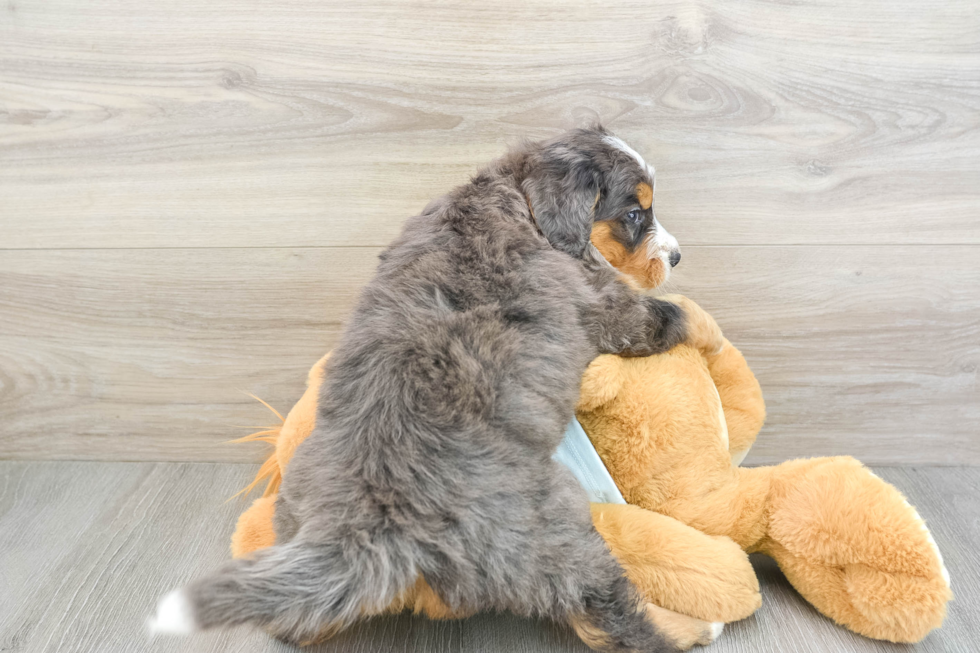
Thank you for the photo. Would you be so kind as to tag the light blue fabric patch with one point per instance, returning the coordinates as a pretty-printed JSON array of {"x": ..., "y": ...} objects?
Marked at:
[{"x": 577, "y": 453}]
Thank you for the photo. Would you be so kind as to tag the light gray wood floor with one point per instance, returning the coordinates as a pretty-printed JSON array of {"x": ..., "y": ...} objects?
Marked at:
[{"x": 86, "y": 548}]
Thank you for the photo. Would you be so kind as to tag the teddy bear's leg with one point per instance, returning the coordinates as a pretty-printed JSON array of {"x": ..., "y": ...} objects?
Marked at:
[
  {"x": 854, "y": 548},
  {"x": 254, "y": 529},
  {"x": 893, "y": 607},
  {"x": 420, "y": 599},
  {"x": 678, "y": 567}
]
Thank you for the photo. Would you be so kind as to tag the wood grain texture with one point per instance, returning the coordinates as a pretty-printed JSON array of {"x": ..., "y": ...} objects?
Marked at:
[
  {"x": 143, "y": 354},
  {"x": 246, "y": 123},
  {"x": 191, "y": 195},
  {"x": 867, "y": 351},
  {"x": 86, "y": 549},
  {"x": 147, "y": 354}
]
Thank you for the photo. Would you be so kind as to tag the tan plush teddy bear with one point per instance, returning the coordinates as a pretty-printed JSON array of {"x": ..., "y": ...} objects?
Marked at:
[{"x": 671, "y": 429}]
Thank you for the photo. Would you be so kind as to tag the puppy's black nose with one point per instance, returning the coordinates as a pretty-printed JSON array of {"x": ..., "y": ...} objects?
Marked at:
[{"x": 675, "y": 258}]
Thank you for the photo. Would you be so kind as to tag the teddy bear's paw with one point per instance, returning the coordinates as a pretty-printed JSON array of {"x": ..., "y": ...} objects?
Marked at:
[
  {"x": 893, "y": 606},
  {"x": 681, "y": 630}
]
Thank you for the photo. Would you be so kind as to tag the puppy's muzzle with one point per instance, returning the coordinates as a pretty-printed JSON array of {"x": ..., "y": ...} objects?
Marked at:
[{"x": 664, "y": 246}]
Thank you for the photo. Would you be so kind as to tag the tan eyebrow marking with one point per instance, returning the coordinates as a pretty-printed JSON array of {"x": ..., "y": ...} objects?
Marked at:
[{"x": 644, "y": 195}]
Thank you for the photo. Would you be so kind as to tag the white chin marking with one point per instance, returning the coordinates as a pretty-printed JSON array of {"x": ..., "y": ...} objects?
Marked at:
[
  {"x": 654, "y": 251},
  {"x": 174, "y": 616},
  {"x": 663, "y": 239},
  {"x": 661, "y": 245}
]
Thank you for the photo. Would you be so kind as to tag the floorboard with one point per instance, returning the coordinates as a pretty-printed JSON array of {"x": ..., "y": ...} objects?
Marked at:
[{"x": 86, "y": 548}]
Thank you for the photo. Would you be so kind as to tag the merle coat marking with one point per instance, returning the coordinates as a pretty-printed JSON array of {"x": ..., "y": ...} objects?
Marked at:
[{"x": 444, "y": 401}]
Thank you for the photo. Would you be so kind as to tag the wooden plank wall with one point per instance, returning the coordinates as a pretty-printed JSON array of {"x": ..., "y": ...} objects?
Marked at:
[{"x": 192, "y": 193}]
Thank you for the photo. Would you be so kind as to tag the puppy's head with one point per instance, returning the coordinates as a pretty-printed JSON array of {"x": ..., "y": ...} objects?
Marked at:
[{"x": 592, "y": 194}]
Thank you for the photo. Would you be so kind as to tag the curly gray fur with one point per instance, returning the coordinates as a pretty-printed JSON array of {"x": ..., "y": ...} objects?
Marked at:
[{"x": 444, "y": 401}]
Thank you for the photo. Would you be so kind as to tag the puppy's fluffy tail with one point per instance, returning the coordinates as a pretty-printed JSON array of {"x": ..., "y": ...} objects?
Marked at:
[{"x": 299, "y": 591}]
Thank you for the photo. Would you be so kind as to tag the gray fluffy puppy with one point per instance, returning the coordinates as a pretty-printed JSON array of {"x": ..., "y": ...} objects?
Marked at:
[{"x": 455, "y": 378}]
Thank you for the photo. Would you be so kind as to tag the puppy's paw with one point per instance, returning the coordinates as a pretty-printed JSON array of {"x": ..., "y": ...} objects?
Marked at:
[
  {"x": 702, "y": 330},
  {"x": 681, "y": 630},
  {"x": 667, "y": 325},
  {"x": 712, "y": 633}
]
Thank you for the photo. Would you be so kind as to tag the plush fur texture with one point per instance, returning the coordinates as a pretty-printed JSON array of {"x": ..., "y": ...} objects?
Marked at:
[
  {"x": 653, "y": 549},
  {"x": 669, "y": 428},
  {"x": 449, "y": 390}
]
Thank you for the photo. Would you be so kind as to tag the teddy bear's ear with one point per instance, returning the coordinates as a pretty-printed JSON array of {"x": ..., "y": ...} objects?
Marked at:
[{"x": 601, "y": 382}]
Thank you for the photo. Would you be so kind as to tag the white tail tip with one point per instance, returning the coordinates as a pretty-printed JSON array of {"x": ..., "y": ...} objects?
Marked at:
[
  {"x": 716, "y": 628},
  {"x": 174, "y": 616}
]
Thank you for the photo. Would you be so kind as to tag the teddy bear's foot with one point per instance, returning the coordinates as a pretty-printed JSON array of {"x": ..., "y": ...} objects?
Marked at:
[
  {"x": 683, "y": 631},
  {"x": 896, "y": 607},
  {"x": 854, "y": 547},
  {"x": 254, "y": 530},
  {"x": 881, "y": 605}
]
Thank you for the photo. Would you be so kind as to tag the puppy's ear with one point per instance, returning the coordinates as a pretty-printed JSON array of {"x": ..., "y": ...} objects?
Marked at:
[
  {"x": 563, "y": 195},
  {"x": 602, "y": 381}
]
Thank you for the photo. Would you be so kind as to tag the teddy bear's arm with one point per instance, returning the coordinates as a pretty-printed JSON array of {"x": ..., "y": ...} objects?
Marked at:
[
  {"x": 678, "y": 567},
  {"x": 741, "y": 396}
]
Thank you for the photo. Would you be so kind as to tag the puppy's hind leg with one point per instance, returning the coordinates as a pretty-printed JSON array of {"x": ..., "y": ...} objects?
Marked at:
[
  {"x": 301, "y": 590},
  {"x": 683, "y": 631},
  {"x": 597, "y": 599},
  {"x": 616, "y": 619}
]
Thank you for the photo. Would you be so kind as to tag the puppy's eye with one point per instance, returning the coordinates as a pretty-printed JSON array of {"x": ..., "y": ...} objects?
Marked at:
[{"x": 634, "y": 216}]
